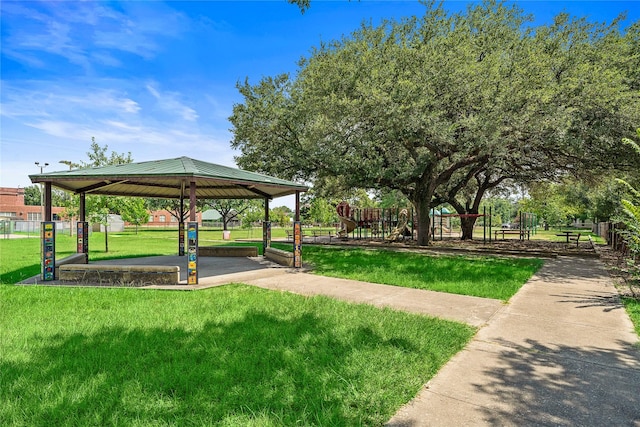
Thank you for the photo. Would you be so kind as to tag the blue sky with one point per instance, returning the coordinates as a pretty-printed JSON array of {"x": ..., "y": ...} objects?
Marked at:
[{"x": 158, "y": 78}]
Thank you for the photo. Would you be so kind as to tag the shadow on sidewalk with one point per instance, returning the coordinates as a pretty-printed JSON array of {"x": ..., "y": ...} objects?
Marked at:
[
  {"x": 564, "y": 269},
  {"x": 587, "y": 299},
  {"x": 535, "y": 384}
]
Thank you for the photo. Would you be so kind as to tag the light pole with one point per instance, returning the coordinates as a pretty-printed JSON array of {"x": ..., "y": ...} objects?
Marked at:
[{"x": 41, "y": 191}]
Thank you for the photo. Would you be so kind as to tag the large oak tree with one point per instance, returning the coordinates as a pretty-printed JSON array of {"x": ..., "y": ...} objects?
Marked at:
[{"x": 436, "y": 105}]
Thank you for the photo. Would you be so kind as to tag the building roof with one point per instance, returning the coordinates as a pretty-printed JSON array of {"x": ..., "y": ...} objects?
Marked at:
[{"x": 170, "y": 178}]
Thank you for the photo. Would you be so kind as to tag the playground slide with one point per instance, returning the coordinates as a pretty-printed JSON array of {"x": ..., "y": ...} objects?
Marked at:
[
  {"x": 401, "y": 229},
  {"x": 344, "y": 212},
  {"x": 349, "y": 226}
]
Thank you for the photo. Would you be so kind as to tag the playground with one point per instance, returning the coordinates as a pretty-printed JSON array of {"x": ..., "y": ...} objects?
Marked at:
[
  {"x": 394, "y": 228},
  {"x": 399, "y": 224}
]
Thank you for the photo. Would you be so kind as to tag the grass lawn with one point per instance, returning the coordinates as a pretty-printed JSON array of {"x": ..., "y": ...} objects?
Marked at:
[
  {"x": 633, "y": 308},
  {"x": 227, "y": 356},
  {"x": 488, "y": 277}
]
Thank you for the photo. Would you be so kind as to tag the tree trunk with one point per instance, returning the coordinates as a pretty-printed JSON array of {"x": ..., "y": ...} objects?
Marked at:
[
  {"x": 424, "y": 221},
  {"x": 467, "y": 225}
]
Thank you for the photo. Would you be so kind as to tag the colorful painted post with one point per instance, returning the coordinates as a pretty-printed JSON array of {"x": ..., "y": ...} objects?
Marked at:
[
  {"x": 192, "y": 250},
  {"x": 83, "y": 237},
  {"x": 181, "y": 238},
  {"x": 48, "y": 250}
]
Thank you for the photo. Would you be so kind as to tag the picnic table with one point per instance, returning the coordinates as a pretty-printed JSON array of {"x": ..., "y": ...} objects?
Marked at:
[
  {"x": 319, "y": 233},
  {"x": 520, "y": 233},
  {"x": 570, "y": 235}
]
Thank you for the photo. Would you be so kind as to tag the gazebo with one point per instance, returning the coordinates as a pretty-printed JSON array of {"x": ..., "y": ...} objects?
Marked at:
[{"x": 179, "y": 178}]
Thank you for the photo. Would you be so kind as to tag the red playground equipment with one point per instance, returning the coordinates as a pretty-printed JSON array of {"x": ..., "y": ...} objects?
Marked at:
[{"x": 389, "y": 223}]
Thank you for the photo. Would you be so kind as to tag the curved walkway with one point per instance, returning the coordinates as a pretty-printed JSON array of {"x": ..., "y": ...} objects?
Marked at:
[
  {"x": 562, "y": 352},
  {"x": 461, "y": 308}
]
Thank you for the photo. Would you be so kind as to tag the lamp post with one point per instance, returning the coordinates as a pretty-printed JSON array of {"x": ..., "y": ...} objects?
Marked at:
[{"x": 41, "y": 191}]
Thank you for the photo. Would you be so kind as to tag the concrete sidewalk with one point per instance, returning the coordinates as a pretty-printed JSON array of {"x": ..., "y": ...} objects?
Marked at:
[
  {"x": 461, "y": 308},
  {"x": 562, "y": 352}
]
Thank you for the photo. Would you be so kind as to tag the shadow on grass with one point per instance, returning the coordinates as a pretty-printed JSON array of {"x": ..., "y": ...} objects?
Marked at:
[
  {"x": 16, "y": 276},
  {"x": 280, "y": 372}
]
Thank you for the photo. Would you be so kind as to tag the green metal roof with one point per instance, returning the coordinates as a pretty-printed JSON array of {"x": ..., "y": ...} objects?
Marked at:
[{"x": 170, "y": 178}]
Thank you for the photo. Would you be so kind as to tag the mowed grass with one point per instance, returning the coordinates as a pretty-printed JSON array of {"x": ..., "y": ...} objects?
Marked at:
[
  {"x": 227, "y": 356},
  {"x": 633, "y": 308},
  {"x": 487, "y": 277}
]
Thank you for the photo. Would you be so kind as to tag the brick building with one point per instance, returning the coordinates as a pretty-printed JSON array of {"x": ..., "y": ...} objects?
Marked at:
[
  {"x": 12, "y": 206},
  {"x": 163, "y": 218}
]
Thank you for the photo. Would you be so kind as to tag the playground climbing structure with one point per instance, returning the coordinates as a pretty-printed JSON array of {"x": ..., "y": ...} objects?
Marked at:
[{"x": 365, "y": 223}]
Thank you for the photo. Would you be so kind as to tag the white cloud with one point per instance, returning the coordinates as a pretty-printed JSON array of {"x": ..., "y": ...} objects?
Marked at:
[
  {"x": 87, "y": 32},
  {"x": 169, "y": 102},
  {"x": 36, "y": 99},
  {"x": 56, "y": 128}
]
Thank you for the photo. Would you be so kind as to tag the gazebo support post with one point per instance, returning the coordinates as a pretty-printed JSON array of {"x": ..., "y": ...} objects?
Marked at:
[
  {"x": 47, "y": 201},
  {"x": 82, "y": 227},
  {"x": 47, "y": 238},
  {"x": 83, "y": 210},
  {"x": 181, "y": 225},
  {"x": 266, "y": 227},
  {"x": 192, "y": 201},
  {"x": 192, "y": 238},
  {"x": 297, "y": 235}
]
